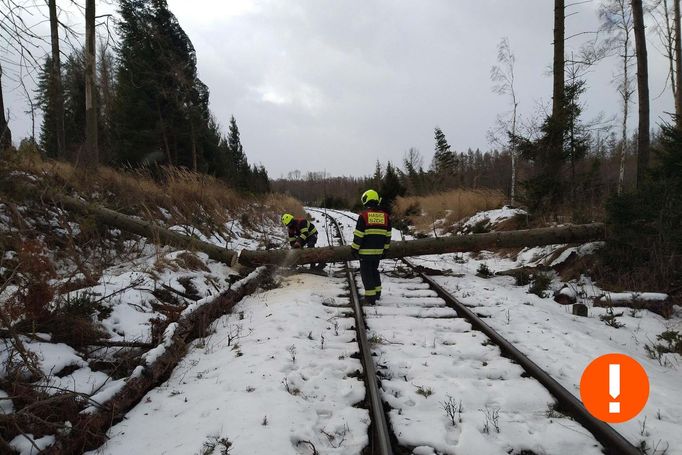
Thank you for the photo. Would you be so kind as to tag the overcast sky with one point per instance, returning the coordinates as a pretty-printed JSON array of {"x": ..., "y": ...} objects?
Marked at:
[{"x": 337, "y": 84}]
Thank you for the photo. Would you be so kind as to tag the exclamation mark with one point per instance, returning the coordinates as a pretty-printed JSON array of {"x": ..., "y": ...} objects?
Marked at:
[{"x": 614, "y": 387}]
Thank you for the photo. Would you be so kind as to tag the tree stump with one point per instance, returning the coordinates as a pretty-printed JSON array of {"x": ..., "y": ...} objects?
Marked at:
[{"x": 580, "y": 309}]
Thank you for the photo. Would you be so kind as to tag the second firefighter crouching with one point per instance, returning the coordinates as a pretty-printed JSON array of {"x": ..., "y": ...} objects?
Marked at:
[
  {"x": 302, "y": 233},
  {"x": 371, "y": 239}
]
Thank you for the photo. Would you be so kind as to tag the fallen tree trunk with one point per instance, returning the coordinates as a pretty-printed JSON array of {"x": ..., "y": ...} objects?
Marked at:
[
  {"x": 660, "y": 304},
  {"x": 454, "y": 244},
  {"x": 89, "y": 431},
  {"x": 136, "y": 226}
]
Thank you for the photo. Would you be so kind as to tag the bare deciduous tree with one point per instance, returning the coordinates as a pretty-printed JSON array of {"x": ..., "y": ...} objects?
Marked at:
[
  {"x": 503, "y": 77},
  {"x": 616, "y": 17},
  {"x": 661, "y": 13}
]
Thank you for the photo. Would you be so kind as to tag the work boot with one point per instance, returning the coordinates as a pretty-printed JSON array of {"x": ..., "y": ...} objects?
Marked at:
[{"x": 369, "y": 301}]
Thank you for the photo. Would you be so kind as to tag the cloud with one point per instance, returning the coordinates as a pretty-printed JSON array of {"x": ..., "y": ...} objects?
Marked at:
[{"x": 338, "y": 84}]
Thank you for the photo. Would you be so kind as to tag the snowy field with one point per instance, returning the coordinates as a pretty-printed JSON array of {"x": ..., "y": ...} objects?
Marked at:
[
  {"x": 564, "y": 344},
  {"x": 280, "y": 374},
  {"x": 277, "y": 372}
]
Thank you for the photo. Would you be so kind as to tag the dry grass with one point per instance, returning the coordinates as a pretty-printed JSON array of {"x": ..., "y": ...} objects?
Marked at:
[
  {"x": 451, "y": 206},
  {"x": 285, "y": 204},
  {"x": 188, "y": 198}
]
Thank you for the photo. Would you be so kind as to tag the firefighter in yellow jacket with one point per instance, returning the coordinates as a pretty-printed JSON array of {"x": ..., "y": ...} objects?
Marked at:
[
  {"x": 371, "y": 240},
  {"x": 302, "y": 233}
]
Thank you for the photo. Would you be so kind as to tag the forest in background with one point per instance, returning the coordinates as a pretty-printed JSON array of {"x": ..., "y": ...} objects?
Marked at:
[
  {"x": 136, "y": 104},
  {"x": 141, "y": 105}
]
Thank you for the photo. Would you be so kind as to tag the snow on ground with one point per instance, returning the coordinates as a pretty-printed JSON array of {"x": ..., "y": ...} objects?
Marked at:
[
  {"x": 127, "y": 296},
  {"x": 561, "y": 343},
  {"x": 27, "y": 444},
  {"x": 428, "y": 358},
  {"x": 564, "y": 344},
  {"x": 277, "y": 371},
  {"x": 278, "y": 374},
  {"x": 492, "y": 217}
]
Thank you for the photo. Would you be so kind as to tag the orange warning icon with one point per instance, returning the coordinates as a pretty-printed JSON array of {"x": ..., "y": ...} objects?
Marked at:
[{"x": 614, "y": 388}]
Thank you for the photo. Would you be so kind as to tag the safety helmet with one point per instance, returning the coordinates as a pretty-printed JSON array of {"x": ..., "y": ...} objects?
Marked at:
[
  {"x": 287, "y": 218},
  {"x": 370, "y": 195}
]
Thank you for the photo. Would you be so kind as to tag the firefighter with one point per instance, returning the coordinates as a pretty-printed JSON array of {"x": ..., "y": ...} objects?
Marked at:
[
  {"x": 371, "y": 240},
  {"x": 302, "y": 233}
]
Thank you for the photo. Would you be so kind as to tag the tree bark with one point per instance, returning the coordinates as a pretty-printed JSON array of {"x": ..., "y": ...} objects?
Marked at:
[
  {"x": 660, "y": 307},
  {"x": 459, "y": 243},
  {"x": 643, "y": 140},
  {"x": 558, "y": 92},
  {"x": 56, "y": 81},
  {"x": 92, "y": 152},
  {"x": 678, "y": 63},
  {"x": 453, "y": 244},
  {"x": 5, "y": 133}
]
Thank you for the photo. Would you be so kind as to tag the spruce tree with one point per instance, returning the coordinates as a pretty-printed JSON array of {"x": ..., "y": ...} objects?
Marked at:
[
  {"x": 444, "y": 161},
  {"x": 46, "y": 102},
  {"x": 391, "y": 187},
  {"x": 161, "y": 108}
]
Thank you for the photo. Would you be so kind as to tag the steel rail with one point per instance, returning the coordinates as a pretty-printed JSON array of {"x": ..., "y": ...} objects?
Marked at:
[
  {"x": 612, "y": 441},
  {"x": 381, "y": 436}
]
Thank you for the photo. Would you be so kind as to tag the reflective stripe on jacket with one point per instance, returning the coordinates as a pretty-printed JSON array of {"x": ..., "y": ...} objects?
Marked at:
[
  {"x": 300, "y": 230},
  {"x": 372, "y": 235}
]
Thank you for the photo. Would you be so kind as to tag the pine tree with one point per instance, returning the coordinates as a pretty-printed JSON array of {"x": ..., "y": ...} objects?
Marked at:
[
  {"x": 444, "y": 161},
  {"x": 74, "y": 103},
  {"x": 378, "y": 175},
  {"x": 46, "y": 103},
  {"x": 238, "y": 167},
  {"x": 391, "y": 187},
  {"x": 544, "y": 191},
  {"x": 645, "y": 245},
  {"x": 161, "y": 108},
  {"x": 73, "y": 84}
]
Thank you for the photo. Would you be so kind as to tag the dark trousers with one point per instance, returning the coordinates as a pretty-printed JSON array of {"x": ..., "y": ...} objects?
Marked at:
[
  {"x": 371, "y": 279},
  {"x": 310, "y": 243}
]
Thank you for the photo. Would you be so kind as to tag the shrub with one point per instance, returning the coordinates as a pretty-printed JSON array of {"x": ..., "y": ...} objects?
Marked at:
[
  {"x": 540, "y": 284},
  {"x": 522, "y": 277},
  {"x": 453, "y": 206},
  {"x": 645, "y": 239},
  {"x": 610, "y": 318},
  {"x": 424, "y": 391},
  {"x": 484, "y": 271}
]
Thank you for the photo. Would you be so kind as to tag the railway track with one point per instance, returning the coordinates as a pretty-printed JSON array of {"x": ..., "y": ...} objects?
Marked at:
[
  {"x": 381, "y": 440},
  {"x": 429, "y": 308}
]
